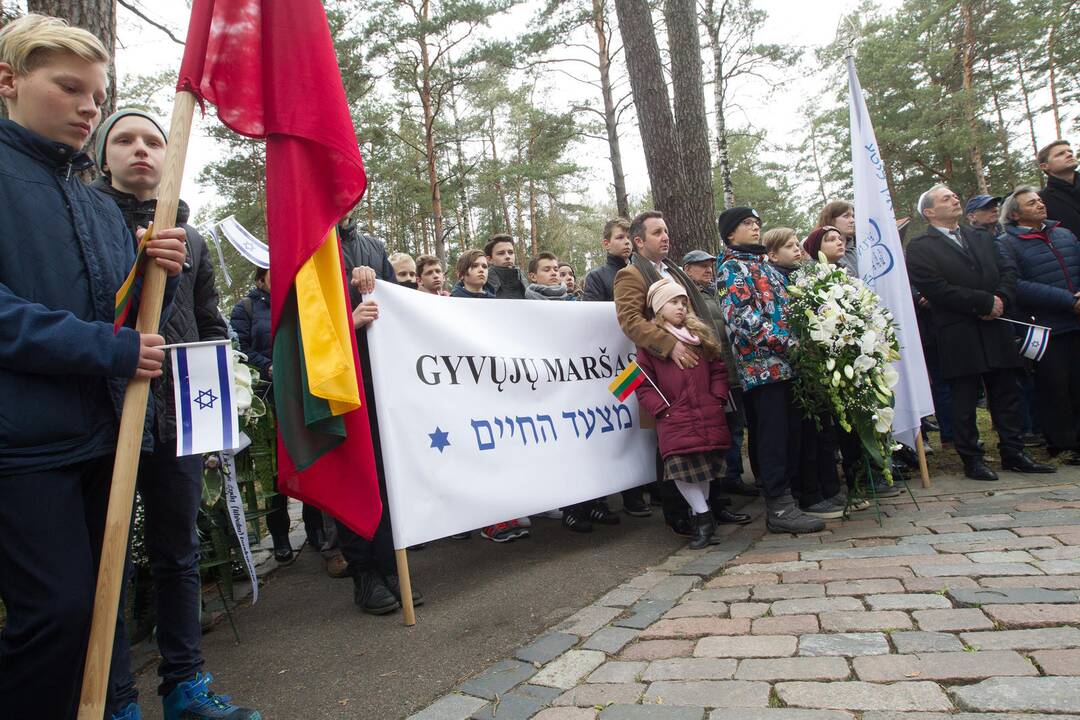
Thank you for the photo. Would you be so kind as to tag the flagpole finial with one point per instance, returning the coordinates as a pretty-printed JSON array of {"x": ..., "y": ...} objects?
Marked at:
[{"x": 847, "y": 32}]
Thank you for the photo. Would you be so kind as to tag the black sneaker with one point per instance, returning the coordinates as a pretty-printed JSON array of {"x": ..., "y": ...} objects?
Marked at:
[
  {"x": 637, "y": 508},
  {"x": 394, "y": 586},
  {"x": 572, "y": 522},
  {"x": 784, "y": 516},
  {"x": 601, "y": 515},
  {"x": 371, "y": 594}
]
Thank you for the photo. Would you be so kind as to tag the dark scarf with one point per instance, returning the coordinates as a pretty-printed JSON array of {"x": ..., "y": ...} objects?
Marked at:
[
  {"x": 545, "y": 292},
  {"x": 697, "y": 302}
]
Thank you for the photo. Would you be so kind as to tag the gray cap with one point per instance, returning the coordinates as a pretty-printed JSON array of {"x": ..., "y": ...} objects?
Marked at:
[{"x": 696, "y": 256}]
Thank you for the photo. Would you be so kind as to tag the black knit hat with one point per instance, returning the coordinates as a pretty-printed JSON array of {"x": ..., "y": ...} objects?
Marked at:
[{"x": 730, "y": 219}]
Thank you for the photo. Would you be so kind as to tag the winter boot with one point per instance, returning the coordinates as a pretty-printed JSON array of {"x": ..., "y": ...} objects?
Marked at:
[
  {"x": 393, "y": 584},
  {"x": 371, "y": 594},
  {"x": 784, "y": 516},
  {"x": 705, "y": 527},
  {"x": 193, "y": 700}
]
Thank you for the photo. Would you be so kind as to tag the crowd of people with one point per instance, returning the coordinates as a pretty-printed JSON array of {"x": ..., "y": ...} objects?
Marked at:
[{"x": 711, "y": 335}]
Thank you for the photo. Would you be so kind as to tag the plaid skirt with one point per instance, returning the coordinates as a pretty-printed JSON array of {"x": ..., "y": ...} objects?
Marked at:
[{"x": 695, "y": 467}]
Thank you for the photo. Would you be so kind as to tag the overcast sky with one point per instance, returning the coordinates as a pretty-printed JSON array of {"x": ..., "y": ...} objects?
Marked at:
[{"x": 143, "y": 49}]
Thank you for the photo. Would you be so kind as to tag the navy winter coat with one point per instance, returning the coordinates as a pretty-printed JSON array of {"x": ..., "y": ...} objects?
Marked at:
[
  {"x": 251, "y": 320},
  {"x": 1048, "y": 273},
  {"x": 64, "y": 252}
]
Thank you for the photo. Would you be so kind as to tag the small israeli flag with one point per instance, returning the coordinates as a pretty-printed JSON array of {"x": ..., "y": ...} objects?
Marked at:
[
  {"x": 1035, "y": 341},
  {"x": 206, "y": 419}
]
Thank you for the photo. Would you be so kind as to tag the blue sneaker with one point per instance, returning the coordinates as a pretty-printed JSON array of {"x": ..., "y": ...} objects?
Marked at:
[
  {"x": 193, "y": 700},
  {"x": 131, "y": 712}
]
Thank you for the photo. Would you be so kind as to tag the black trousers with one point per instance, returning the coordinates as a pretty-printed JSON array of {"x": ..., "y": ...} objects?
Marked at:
[
  {"x": 817, "y": 478},
  {"x": 773, "y": 423},
  {"x": 1003, "y": 401},
  {"x": 1057, "y": 392},
  {"x": 51, "y": 527}
]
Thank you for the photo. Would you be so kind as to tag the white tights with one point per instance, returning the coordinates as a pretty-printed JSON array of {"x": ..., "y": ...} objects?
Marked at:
[{"x": 696, "y": 494}]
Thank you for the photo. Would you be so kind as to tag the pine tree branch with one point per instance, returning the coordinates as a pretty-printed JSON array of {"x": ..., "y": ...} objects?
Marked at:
[{"x": 138, "y": 13}]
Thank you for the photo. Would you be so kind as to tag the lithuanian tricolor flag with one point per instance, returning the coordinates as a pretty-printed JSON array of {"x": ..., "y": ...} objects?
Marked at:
[
  {"x": 627, "y": 381},
  {"x": 270, "y": 68},
  {"x": 125, "y": 296}
]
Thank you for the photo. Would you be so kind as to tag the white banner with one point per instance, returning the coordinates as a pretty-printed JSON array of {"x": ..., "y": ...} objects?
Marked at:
[
  {"x": 235, "y": 502},
  {"x": 493, "y": 410},
  {"x": 882, "y": 267}
]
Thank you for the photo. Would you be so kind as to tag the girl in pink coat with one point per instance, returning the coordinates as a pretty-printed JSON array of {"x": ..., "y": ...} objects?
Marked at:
[{"x": 688, "y": 404}]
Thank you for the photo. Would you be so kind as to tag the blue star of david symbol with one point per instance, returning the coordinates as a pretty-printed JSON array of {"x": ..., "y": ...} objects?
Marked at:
[
  {"x": 439, "y": 439},
  {"x": 205, "y": 399}
]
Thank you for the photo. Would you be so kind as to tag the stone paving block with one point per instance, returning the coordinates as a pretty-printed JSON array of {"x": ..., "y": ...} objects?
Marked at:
[
  {"x": 952, "y": 620},
  {"x": 1052, "y": 530},
  {"x": 1034, "y": 614},
  {"x": 673, "y": 563},
  {"x": 708, "y": 693},
  {"x": 921, "y": 641},
  {"x": 943, "y": 666},
  {"x": 568, "y": 670},
  {"x": 1046, "y": 518},
  {"x": 776, "y": 556},
  {"x": 1058, "y": 662},
  {"x": 658, "y": 650},
  {"x": 977, "y": 569},
  {"x": 1039, "y": 639},
  {"x": 588, "y": 620},
  {"x": 856, "y": 695},
  {"x": 1023, "y": 543},
  {"x": 617, "y": 671},
  {"x": 1013, "y": 596},
  {"x": 707, "y": 564},
  {"x": 979, "y": 536},
  {"x": 768, "y": 593},
  {"x": 746, "y": 646},
  {"x": 644, "y": 613},
  {"x": 1000, "y": 556},
  {"x": 621, "y": 596},
  {"x": 907, "y": 601},
  {"x": 601, "y": 694},
  {"x": 610, "y": 639},
  {"x": 1050, "y": 582},
  {"x": 690, "y": 669},
  {"x": 785, "y": 625},
  {"x": 794, "y": 668},
  {"x": 697, "y": 609},
  {"x": 546, "y": 647},
  {"x": 695, "y": 627},
  {"x": 724, "y": 594},
  {"x": 963, "y": 716},
  {"x": 1070, "y": 552},
  {"x": 899, "y": 561},
  {"x": 518, "y": 704},
  {"x": 748, "y": 610},
  {"x": 866, "y": 552},
  {"x": 648, "y": 580},
  {"x": 867, "y": 573},
  {"x": 862, "y": 587},
  {"x": 871, "y": 530},
  {"x": 783, "y": 714},
  {"x": 778, "y": 567},
  {"x": 804, "y": 606},
  {"x": 1041, "y": 694},
  {"x": 497, "y": 679},
  {"x": 671, "y": 588},
  {"x": 741, "y": 579},
  {"x": 843, "y": 644},
  {"x": 566, "y": 713},
  {"x": 651, "y": 712},
  {"x": 1057, "y": 567},
  {"x": 937, "y": 584},
  {"x": 864, "y": 621},
  {"x": 450, "y": 707}
]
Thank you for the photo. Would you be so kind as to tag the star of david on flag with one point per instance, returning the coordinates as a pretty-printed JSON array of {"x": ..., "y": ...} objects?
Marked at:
[{"x": 206, "y": 419}]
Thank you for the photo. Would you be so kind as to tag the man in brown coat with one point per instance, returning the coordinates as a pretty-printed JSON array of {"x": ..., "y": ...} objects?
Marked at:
[{"x": 648, "y": 264}]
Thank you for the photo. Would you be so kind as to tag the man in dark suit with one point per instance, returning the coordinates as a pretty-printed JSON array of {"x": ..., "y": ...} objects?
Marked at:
[{"x": 959, "y": 272}]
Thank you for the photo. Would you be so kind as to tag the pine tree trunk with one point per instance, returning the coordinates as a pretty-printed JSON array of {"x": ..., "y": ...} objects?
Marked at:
[
  {"x": 655, "y": 121},
  {"x": 1002, "y": 132},
  {"x": 969, "y": 96},
  {"x": 464, "y": 227},
  {"x": 1027, "y": 104},
  {"x": 498, "y": 172},
  {"x": 713, "y": 21},
  {"x": 691, "y": 127},
  {"x": 817, "y": 161},
  {"x": 97, "y": 16},
  {"x": 1052, "y": 67},
  {"x": 426, "y": 102},
  {"x": 610, "y": 124}
]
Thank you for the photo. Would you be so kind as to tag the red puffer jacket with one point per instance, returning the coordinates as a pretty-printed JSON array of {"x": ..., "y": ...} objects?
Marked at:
[{"x": 695, "y": 420}]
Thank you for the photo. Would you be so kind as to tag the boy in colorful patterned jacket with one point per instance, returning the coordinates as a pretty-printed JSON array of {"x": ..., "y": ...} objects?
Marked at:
[{"x": 752, "y": 300}]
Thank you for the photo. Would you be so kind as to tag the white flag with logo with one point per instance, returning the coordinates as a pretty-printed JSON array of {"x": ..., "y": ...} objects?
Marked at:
[
  {"x": 206, "y": 419},
  {"x": 882, "y": 267}
]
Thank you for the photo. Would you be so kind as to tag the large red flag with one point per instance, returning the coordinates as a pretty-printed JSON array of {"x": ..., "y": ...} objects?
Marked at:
[{"x": 270, "y": 68}]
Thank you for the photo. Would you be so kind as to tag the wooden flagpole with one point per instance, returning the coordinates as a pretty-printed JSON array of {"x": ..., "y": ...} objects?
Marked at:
[
  {"x": 129, "y": 443},
  {"x": 405, "y": 586},
  {"x": 924, "y": 471}
]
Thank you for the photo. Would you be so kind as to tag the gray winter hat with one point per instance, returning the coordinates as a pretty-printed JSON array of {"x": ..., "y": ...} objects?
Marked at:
[{"x": 107, "y": 125}]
